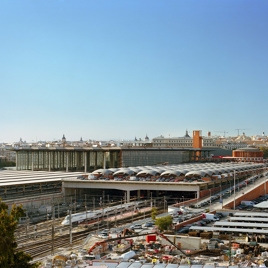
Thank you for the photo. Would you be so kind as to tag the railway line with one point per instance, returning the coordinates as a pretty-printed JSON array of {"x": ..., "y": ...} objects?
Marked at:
[
  {"x": 45, "y": 247},
  {"x": 41, "y": 247},
  {"x": 27, "y": 230},
  {"x": 33, "y": 231}
]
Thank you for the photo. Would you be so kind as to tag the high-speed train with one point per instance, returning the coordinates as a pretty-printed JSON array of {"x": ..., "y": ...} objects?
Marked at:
[
  {"x": 90, "y": 215},
  {"x": 79, "y": 217}
]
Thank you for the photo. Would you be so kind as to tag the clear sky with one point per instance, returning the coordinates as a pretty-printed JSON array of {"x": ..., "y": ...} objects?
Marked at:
[{"x": 119, "y": 69}]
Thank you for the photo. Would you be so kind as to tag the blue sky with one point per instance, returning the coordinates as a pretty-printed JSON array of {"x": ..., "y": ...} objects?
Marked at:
[{"x": 120, "y": 69}]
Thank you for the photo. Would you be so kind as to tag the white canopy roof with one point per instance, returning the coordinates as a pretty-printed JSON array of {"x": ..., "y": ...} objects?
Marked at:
[
  {"x": 124, "y": 172},
  {"x": 172, "y": 172},
  {"x": 196, "y": 173},
  {"x": 102, "y": 171},
  {"x": 263, "y": 204},
  {"x": 148, "y": 172}
]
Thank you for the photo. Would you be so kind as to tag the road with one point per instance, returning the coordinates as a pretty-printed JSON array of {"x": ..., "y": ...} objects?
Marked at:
[{"x": 216, "y": 205}]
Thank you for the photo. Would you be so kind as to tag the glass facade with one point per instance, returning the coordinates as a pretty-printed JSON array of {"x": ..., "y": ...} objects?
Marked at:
[
  {"x": 90, "y": 160},
  {"x": 132, "y": 158},
  {"x": 71, "y": 160}
]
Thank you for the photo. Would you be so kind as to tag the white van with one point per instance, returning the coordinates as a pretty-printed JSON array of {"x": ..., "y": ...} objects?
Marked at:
[
  {"x": 210, "y": 216},
  {"x": 247, "y": 203}
]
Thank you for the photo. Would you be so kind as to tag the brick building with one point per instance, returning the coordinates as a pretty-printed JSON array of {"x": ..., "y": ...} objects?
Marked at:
[{"x": 248, "y": 154}]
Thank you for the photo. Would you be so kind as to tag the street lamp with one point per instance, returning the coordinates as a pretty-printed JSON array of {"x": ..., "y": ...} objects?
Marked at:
[
  {"x": 70, "y": 220},
  {"x": 210, "y": 197},
  {"x": 265, "y": 186},
  {"x": 145, "y": 204},
  {"x": 234, "y": 189}
]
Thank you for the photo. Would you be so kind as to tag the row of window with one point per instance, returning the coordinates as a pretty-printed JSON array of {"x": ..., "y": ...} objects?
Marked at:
[
  {"x": 175, "y": 144},
  {"x": 205, "y": 142}
]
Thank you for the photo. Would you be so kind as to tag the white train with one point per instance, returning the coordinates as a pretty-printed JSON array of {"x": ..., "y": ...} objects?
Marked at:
[
  {"x": 90, "y": 215},
  {"x": 79, "y": 217}
]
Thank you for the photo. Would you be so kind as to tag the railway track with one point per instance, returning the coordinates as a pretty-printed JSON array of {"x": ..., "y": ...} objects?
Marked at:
[
  {"x": 45, "y": 247},
  {"x": 41, "y": 230},
  {"x": 42, "y": 247}
]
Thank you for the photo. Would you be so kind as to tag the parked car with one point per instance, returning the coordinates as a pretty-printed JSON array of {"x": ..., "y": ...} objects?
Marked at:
[
  {"x": 197, "y": 223},
  {"x": 203, "y": 223},
  {"x": 148, "y": 224},
  {"x": 183, "y": 231},
  {"x": 135, "y": 226},
  {"x": 206, "y": 221},
  {"x": 103, "y": 235},
  {"x": 219, "y": 214}
]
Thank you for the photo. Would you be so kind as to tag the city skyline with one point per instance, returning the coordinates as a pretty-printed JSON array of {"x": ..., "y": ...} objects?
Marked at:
[
  {"x": 208, "y": 134},
  {"x": 115, "y": 70}
]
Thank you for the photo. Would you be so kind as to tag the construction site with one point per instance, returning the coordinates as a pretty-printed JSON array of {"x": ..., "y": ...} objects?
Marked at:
[{"x": 149, "y": 247}]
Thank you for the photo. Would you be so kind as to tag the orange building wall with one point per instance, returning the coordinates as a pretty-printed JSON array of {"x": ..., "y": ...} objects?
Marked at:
[
  {"x": 197, "y": 139},
  {"x": 247, "y": 154}
]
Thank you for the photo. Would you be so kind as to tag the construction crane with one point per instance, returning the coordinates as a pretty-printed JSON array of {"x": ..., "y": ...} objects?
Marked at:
[
  {"x": 224, "y": 132},
  {"x": 239, "y": 129}
]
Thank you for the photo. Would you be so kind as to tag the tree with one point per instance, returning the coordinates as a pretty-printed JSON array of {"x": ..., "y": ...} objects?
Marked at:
[
  {"x": 9, "y": 257},
  {"x": 265, "y": 152},
  {"x": 153, "y": 213},
  {"x": 163, "y": 222},
  {"x": 6, "y": 163}
]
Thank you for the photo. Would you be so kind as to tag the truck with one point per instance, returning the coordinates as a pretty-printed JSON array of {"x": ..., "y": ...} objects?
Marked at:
[
  {"x": 210, "y": 216},
  {"x": 247, "y": 203}
]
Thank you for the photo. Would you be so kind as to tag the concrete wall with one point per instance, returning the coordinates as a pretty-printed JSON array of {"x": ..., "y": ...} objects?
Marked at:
[
  {"x": 249, "y": 196},
  {"x": 36, "y": 202},
  {"x": 129, "y": 185}
]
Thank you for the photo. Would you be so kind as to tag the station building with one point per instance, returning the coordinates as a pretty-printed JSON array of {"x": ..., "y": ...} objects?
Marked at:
[
  {"x": 88, "y": 159},
  {"x": 195, "y": 180}
]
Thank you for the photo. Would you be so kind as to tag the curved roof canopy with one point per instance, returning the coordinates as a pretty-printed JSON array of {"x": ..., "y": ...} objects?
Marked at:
[
  {"x": 198, "y": 169},
  {"x": 196, "y": 173},
  {"x": 171, "y": 172},
  {"x": 184, "y": 171},
  {"x": 124, "y": 172},
  {"x": 102, "y": 171},
  {"x": 147, "y": 172},
  {"x": 208, "y": 172},
  {"x": 113, "y": 169},
  {"x": 135, "y": 169}
]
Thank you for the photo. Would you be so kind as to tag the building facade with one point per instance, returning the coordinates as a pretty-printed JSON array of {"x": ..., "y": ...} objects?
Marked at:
[
  {"x": 89, "y": 159},
  {"x": 248, "y": 155},
  {"x": 181, "y": 142}
]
